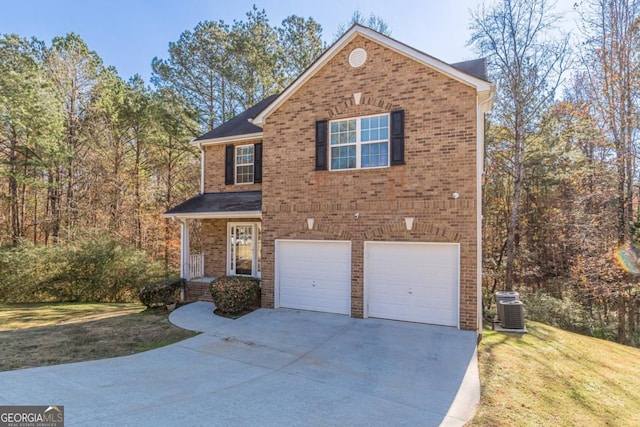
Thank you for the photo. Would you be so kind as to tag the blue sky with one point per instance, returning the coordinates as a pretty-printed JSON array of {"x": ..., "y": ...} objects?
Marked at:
[{"x": 128, "y": 34}]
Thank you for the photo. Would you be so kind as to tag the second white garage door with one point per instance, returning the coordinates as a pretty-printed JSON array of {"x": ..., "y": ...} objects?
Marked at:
[
  {"x": 314, "y": 275},
  {"x": 416, "y": 282}
]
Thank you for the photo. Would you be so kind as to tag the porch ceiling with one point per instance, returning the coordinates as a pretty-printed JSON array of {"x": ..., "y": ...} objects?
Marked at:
[{"x": 237, "y": 204}]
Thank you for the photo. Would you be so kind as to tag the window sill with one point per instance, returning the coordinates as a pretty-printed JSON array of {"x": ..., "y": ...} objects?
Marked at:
[{"x": 359, "y": 169}]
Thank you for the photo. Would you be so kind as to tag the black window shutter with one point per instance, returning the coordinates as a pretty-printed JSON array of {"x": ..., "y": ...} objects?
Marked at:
[
  {"x": 321, "y": 145},
  {"x": 228, "y": 165},
  {"x": 257, "y": 162},
  {"x": 397, "y": 137}
]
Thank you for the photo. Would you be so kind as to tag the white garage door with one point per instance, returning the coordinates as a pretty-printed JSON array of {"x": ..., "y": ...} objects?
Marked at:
[
  {"x": 314, "y": 275},
  {"x": 416, "y": 282}
]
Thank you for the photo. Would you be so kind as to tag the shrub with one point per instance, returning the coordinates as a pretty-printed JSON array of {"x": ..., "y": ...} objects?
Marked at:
[
  {"x": 92, "y": 270},
  {"x": 162, "y": 292},
  {"x": 563, "y": 313},
  {"x": 101, "y": 270},
  {"x": 24, "y": 267},
  {"x": 234, "y": 294}
]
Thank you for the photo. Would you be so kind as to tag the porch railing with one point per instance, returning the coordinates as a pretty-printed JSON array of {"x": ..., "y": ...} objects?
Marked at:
[{"x": 196, "y": 266}]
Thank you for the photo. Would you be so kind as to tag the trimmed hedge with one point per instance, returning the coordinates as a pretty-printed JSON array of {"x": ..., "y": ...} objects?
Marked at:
[
  {"x": 234, "y": 294},
  {"x": 162, "y": 292}
]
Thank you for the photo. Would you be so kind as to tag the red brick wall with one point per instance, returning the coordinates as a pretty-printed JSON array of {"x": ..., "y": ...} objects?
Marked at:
[
  {"x": 440, "y": 156},
  {"x": 197, "y": 291},
  {"x": 214, "y": 245},
  {"x": 214, "y": 170}
]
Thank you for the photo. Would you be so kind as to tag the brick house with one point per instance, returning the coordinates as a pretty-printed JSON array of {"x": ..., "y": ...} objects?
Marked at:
[{"x": 357, "y": 190}]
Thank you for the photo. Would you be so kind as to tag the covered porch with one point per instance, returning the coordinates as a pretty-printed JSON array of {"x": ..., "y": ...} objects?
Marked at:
[{"x": 231, "y": 238}]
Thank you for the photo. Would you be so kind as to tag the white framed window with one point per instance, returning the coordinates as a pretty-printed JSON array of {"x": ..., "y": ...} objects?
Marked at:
[
  {"x": 359, "y": 143},
  {"x": 244, "y": 164}
]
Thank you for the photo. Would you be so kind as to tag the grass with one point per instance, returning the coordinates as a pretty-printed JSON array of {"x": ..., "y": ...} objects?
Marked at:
[
  {"x": 554, "y": 377},
  {"x": 546, "y": 377},
  {"x": 48, "y": 334},
  {"x": 22, "y": 316}
]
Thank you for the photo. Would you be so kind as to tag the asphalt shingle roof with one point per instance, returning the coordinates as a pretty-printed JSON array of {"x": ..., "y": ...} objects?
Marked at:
[
  {"x": 240, "y": 124},
  {"x": 227, "y": 202},
  {"x": 475, "y": 67}
]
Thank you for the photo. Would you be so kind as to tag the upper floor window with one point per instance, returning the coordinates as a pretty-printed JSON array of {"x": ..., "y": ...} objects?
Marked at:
[
  {"x": 244, "y": 164},
  {"x": 360, "y": 143}
]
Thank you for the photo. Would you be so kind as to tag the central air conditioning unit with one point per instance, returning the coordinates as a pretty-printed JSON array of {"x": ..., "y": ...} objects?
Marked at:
[
  {"x": 505, "y": 296},
  {"x": 512, "y": 314}
]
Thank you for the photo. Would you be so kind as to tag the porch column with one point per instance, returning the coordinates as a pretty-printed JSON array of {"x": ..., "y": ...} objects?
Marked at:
[{"x": 184, "y": 249}]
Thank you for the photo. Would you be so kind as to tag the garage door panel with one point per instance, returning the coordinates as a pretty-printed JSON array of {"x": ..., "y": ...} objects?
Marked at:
[
  {"x": 308, "y": 276},
  {"x": 320, "y": 291},
  {"x": 307, "y": 301},
  {"x": 314, "y": 275},
  {"x": 412, "y": 281}
]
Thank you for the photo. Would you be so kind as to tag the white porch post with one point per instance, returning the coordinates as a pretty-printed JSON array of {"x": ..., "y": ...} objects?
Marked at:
[
  {"x": 184, "y": 254},
  {"x": 184, "y": 249}
]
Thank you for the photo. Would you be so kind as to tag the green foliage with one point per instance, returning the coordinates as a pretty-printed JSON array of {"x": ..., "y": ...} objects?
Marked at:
[
  {"x": 564, "y": 313},
  {"x": 234, "y": 294},
  {"x": 300, "y": 42},
  {"x": 220, "y": 70},
  {"x": 30, "y": 122},
  {"x": 23, "y": 267},
  {"x": 162, "y": 292},
  {"x": 93, "y": 271}
]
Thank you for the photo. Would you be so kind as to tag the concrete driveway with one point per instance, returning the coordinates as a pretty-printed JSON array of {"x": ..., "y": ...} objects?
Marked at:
[{"x": 269, "y": 368}]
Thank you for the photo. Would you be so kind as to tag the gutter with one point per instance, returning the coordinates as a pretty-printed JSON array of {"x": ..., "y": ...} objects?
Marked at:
[{"x": 212, "y": 215}]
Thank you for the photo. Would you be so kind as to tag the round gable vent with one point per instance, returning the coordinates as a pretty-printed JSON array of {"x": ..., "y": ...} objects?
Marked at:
[{"x": 357, "y": 57}]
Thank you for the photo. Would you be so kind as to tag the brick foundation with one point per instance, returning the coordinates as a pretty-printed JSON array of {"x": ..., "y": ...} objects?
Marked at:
[{"x": 197, "y": 291}]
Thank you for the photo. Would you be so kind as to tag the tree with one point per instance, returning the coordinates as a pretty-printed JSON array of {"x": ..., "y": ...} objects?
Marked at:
[
  {"x": 74, "y": 71},
  {"x": 220, "y": 71},
  {"x": 199, "y": 68},
  {"x": 256, "y": 68},
  {"x": 611, "y": 62},
  {"x": 174, "y": 159},
  {"x": 612, "y": 69},
  {"x": 29, "y": 126},
  {"x": 527, "y": 66},
  {"x": 138, "y": 112},
  {"x": 372, "y": 21},
  {"x": 300, "y": 43}
]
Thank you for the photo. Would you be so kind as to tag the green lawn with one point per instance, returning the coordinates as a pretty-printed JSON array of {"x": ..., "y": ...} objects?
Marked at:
[
  {"x": 48, "y": 334},
  {"x": 30, "y": 315},
  {"x": 550, "y": 377}
]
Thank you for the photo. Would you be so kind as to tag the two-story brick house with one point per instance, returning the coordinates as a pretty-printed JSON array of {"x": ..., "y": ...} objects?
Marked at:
[{"x": 357, "y": 190}]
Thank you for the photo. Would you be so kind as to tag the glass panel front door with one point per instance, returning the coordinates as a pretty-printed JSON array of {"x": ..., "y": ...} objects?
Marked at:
[{"x": 244, "y": 247}]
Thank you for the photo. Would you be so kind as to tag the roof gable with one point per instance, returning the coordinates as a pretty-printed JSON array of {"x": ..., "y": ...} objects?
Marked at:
[{"x": 472, "y": 73}]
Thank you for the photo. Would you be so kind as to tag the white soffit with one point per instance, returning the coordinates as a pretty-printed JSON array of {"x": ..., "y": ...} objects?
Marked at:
[{"x": 227, "y": 139}]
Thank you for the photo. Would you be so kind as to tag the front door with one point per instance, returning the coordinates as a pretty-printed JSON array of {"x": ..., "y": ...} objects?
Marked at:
[{"x": 244, "y": 249}]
